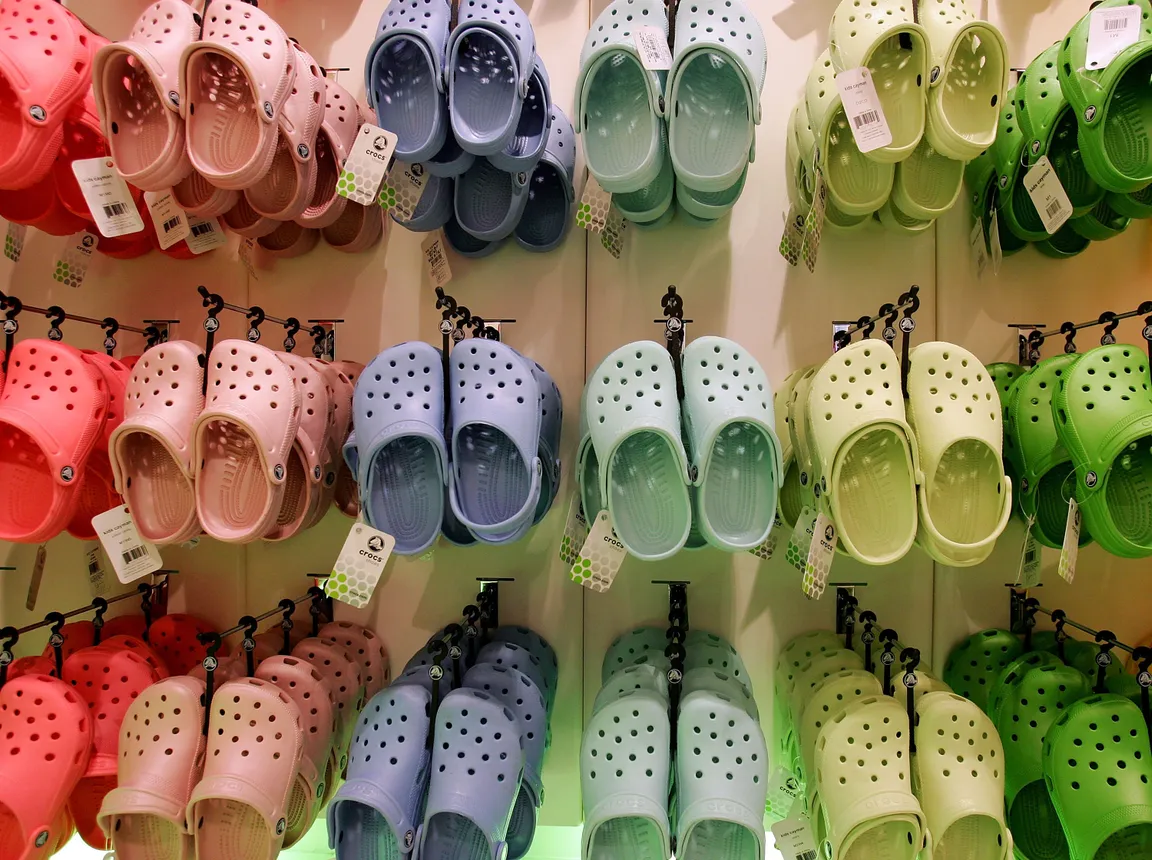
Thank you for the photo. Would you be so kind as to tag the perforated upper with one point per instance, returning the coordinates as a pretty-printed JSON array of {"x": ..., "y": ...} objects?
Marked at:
[
  {"x": 1010, "y": 677},
  {"x": 1040, "y": 102},
  {"x": 506, "y": 19},
  {"x": 156, "y": 43},
  {"x": 517, "y": 692},
  {"x": 50, "y": 39},
  {"x": 718, "y": 682},
  {"x": 822, "y": 99},
  {"x": 342, "y": 120},
  {"x": 512, "y": 656},
  {"x": 315, "y": 403},
  {"x": 799, "y": 651},
  {"x": 341, "y": 674},
  {"x": 304, "y": 108},
  {"x": 173, "y": 638},
  {"x": 812, "y": 674},
  {"x": 976, "y": 662},
  {"x": 828, "y": 700},
  {"x": 728, "y": 28},
  {"x": 643, "y": 676},
  {"x": 612, "y": 35},
  {"x": 859, "y": 27},
  {"x": 627, "y": 648},
  {"x": 366, "y": 648},
  {"x": 305, "y": 686},
  {"x": 714, "y": 653},
  {"x": 425, "y": 20}
]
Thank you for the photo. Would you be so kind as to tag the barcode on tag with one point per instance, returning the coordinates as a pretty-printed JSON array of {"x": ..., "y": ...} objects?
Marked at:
[
  {"x": 201, "y": 229},
  {"x": 114, "y": 209},
  {"x": 133, "y": 554},
  {"x": 204, "y": 234},
  {"x": 652, "y": 45},
  {"x": 1115, "y": 24},
  {"x": 170, "y": 221},
  {"x": 866, "y": 118},
  {"x": 171, "y": 224},
  {"x": 132, "y": 557},
  {"x": 1053, "y": 208},
  {"x": 807, "y": 855},
  {"x": 862, "y": 107},
  {"x": 108, "y": 198}
]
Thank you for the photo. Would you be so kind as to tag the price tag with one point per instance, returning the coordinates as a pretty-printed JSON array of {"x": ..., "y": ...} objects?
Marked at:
[
  {"x": 132, "y": 557},
  {"x": 768, "y": 548},
  {"x": 575, "y": 531},
  {"x": 14, "y": 241},
  {"x": 821, "y": 552},
  {"x": 97, "y": 578},
  {"x": 1028, "y": 571},
  {"x": 1070, "y": 551},
  {"x": 108, "y": 197},
  {"x": 862, "y": 105},
  {"x": 204, "y": 235},
  {"x": 436, "y": 259},
  {"x": 37, "y": 577},
  {"x": 246, "y": 252},
  {"x": 979, "y": 248},
  {"x": 994, "y": 247},
  {"x": 1048, "y": 195},
  {"x": 402, "y": 189},
  {"x": 360, "y": 565},
  {"x": 170, "y": 221},
  {"x": 801, "y": 540},
  {"x": 596, "y": 214},
  {"x": 600, "y": 557},
  {"x": 1110, "y": 31},
  {"x": 793, "y": 837},
  {"x": 367, "y": 165},
  {"x": 814, "y": 223},
  {"x": 655, "y": 55},
  {"x": 72, "y": 264},
  {"x": 783, "y": 790},
  {"x": 792, "y": 241}
]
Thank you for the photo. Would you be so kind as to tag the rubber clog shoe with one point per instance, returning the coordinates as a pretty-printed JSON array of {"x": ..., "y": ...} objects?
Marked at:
[
  {"x": 547, "y": 215},
  {"x": 337, "y": 135},
  {"x": 1101, "y": 223},
  {"x": 488, "y": 202},
  {"x": 1018, "y": 213},
  {"x": 526, "y": 148},
  {"x": 975, "y": 664},
  {"x": 1007, "y": 684},
  {"x": 927, "y": 183},
  {"x": 551, "y": 424},
  {"x": 899, "y": 222},
  {"x": 366, "y": 648},
  {"x": 632, "y": 648},
  {"x": 789, "y": 506},
  {"x": 794, "y": 655},
  {"x": 827, "y": 701}
]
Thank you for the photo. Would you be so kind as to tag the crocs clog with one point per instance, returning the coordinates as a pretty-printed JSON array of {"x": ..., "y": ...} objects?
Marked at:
[
  {"x": 174, "y": 639},
  {"x": 341, "y": 675},
  {"x": 547, "y": 215},
  {"x": 801, "y": 438},
  {"x": 926, "y": 184},
  {"x": 976, "y": 662},
  {"x": 509, "y": 655},
  {"x": 812, "y": 674},
  {"x": 488, "y": 202},
  {"x": 897, "y": 221},
  {"x": 339, "y": 390},
  {"x": 450, "y": 161},
  {"x": 828, "y": 699},
  {"x": 357, "y": 230},
  {"x": 795, "y": 654},
  {"x": 289, "y": 240},
  {"x": 651, "y": 676},
  {"x": 1138, "y": 204},
  {"x": 1101, "y": 223},
  {"x": 789, "y": 502},
  {"x": 1008, "y": 681},
  {"x": 1064, "y": 244},
  {"x": 632, "y": 648},
  {"x": 651, "y": 205},
  {"x": 245, "y": 221},
  {"x": 366, "y": 648},
  {"x": 197, "y": 196},
  {"x": 551, "y": 425},
  {"x": 1018, "y": 214},
  {"x": 526, "y": 148},
  {"x": 338, "y": 129},
  {"x": 435, "y": 209}
]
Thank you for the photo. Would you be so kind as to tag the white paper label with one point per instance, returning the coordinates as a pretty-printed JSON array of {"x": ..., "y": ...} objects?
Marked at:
[
  {"x": 204, "y": 235},
  {"x": 72, "y": 264},
  {"x": 783, "y": 789},
  {"x": 820, "y": 555},
  {"x": 862, "y": 105},
  {"x": 767, "y": 549},
  {"x": 97, "y": 577},
  {"x": 367, "y": 165},
  {"x": 994, "y": 247},
  {"x": 575, "y": 531},
  {"x": 1070, "y": 551},
  {"x": 436, "y": 259},
  {"x": 1028, "y": 571},
  {"x": 360, "y": 565},
  {"x": 132, "y": 557},
  {"x": 814, "y": 223},
  {"x": 402, "y": 189},
  {"x": 794, "y": 838},
  {"x": 14, "y": 241},
  {"x": 1048, "y": 195},
  {"x": 170, "y": 221},
  {"x": 801, "y": 539},
  {"x": 1110, "y": 31},
  {"x": 246, "y": 252},
  {"x": 979, "y": 248},
  {"x": 600, "y": 557},
  {"x": 108, "y": 197},
  {"x": 655, "y": 55}
]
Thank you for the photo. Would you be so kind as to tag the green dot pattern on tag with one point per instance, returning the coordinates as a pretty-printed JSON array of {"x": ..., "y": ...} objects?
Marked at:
[
  {"x": 815, "y": 578},
  {"x": 353, "y": 183},
  {"x": 795, "y": 556},
  {"x": 14, "y": 242},
  {"x": 766, "y": 550},
  {"x": 570, "y": 550},
  {"x": 593, "y": 572},
  {"x": 792, "y": 240},
  {"x": 350, "y": 578},
  {"x": 612, "y": 238},
  {"x": 66, "y": 275},
  {"x": 387, "y": 198}
]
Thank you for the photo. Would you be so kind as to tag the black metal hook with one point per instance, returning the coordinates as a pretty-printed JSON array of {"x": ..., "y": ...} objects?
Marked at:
[
  {"x": 288, "y": 607},
  {"x": 145, "y": 592},
  {"x": 291, "y": 329},
  {"x": 889, "y": 312},
  {"x": 1106, "y": 639},
  {"x": 868, "y": 619},
  {"x": 56, "y": 316},
  {"x": 101, "y": 606},
  {"x": 256, "y": 318},
  {"x": 317, "y": 608},
  {"x": 10, "y": 637},
  {"x": 12, "y": 308},
  {"x": 248, "y": 644},
  {"x": 888, "y": 636},
  {"x": 213, "y": 302},
  {"x": 56, "y": 640},
  {"x": 110, "y": 325},
  {"x": 840, "y": 340},
  {"x": 1110, "y": 323},
  {"x": 1031, "y": 607},
  {"x": 1059, "y": 619},
  {"x": 151, "y": 336},
  {"x": 1035, "y": 342},
  {"x": 867, "y": 325},
  {"x": 1068, "y": 329},
  {"x": 472, "y": 613}
]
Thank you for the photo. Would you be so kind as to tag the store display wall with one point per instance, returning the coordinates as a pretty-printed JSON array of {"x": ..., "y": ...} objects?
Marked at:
[{"x": 573, "y": 307}]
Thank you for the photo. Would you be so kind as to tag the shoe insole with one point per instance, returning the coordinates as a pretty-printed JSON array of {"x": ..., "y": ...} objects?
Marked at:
[
  {"x": 142, "y": 139},
  {"x": 854, "y": 180},
  {"x": 405, "y": 494},
  {"x": 156, "y": 489},
  {"x": 633, "y": 838},
  {"x": 222, "y": 122},
  {"x": 1129, "y": 843},
  {"x": 449, "y": 836},
  {"x": 876, "y": 492},
  {"x": 719, "y": 840},
  {"x": 738, "y": 494},
  {"x": 1128, "y": 120},
  {"x": 899, "y": 86},
  {"x": 546, "y": 211},
  {"x": 492, "y": 480},
  {"x": 969, "y": 95},
  {"x": 147, "y": 837},
  {"x": 973, "y": 837},
  {"x": 1129, "y": 492},
  {"x": 483, "y": 198},
  {"x": 649, "y": 499},
  {"x": 232, "y": 488},
  {"x": 278, "y": 187},
  {"x": 347, "y": 227},
  {"x": 620, "y": 129},
  {"x": 230, "y": 830},
  {"x": 1067, "y": 161},
  {"x": 484, "y": 87},
  {"x": 930, "y": 179},
  {"x": 711, "y": 129},
  {"x": 892, "y": 839},
  {"x": 966, "y": 498},
  {"x": 363, "y": 833},
  {"x": 790, "y": 503},
  {"x": 28, "y": 488},
  {"x": 522, "y": 827},
  {"x": 532, "y": 122},
  {"x": 1036, "y": 828},
  {"x": 295, "y": 501},
  {"x": 1052, "y": 503},
  {"x": 407, "y": 101}
]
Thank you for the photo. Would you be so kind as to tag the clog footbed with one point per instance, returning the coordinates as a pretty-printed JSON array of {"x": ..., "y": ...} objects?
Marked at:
[
  {"x": 1006, "y": 684},
  {"x": 377, "y": 811},
  {"x": 161, "y": 759},
  {"x": 864, "y": 450},
  {"x": 489, "y": 202},
  {"x": 478, "y": 745},
  {"x": 789, "y": 503},
  {"x": 927, "y": 183},
  {"x": 547, "y": 215},
  {"x": 886, "y": 39},
  {"x": 969, "y": 76},
  {"x": 538, "y": 647},
  {"x": 1138, "y": 204},
  {"x": 1101, "y": 415},
  {"x": 37, "y": 783},
  {"x": 357, "y": 229},
  {"x": 289, "y": 240},
  {"x": 626, "y": 796},
  {"x": 1043, "y": 466},
  {"x": 338, "y": 130},
  {"x": 450, "y": 161},
  {"x": 1106, "y": 811},
  {"x": 490, "y": 58},
  {"x": 897, "y": 221},
  {"x": 464, "y": 243},
  {"x": 620, "y": 104},
  {"x": 632, "y": 648},
  {"x": 857, "y": 184},
  {"x": 652, "y": 202},
  {"x": 526, "y": 147},
  {"x": 953, "y": 409},
  {"x": 811, "y": 675},
  {"x": 829, "y": 698},
  {"x": 714, "y": 93},
  {"x": 722, "y": 781},
  {"x": 238, "y": 810},
  {"x": 976, "y": 662},
  {"x": 635, "y": 425},
  {"x": 1064, "y": 244},
  {"x": 1111, "y": 103},
  {"x": 366, "y": 648},
  {"x": 959, "y": 778},
  {"x": 197, "y": 196},
  {"x": 245, "y": 221}
]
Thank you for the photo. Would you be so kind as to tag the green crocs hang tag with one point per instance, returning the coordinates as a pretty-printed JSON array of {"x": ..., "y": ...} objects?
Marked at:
[
  {"x": 367, "y": 165},
  {"x": 793, "y": 838},
  {"x": 1110, "y": 31},
  {"x": 402, "y": 189},
  {"x": 360, "y": 565},
  {"x": 1070, "y": 550},
  {"x": 14, "y": 241},
  {"x": 814, "y": 223},
  {"x": 821, "y": 553},
  {"x": 575, "y": 531},
  {"x": 72, "y": 265},
  {"x": 1048, "y": 195},
  {"x": 1028, "y": 571},
  {"x": 600, "y": 556},
  {"x": 801, "y": 540},
  {"x": 792, "y": 241},
  {"x": 596, "y": 214}
]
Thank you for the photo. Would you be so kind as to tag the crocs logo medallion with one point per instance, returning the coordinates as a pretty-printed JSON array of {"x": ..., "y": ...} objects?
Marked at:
[
  {"x": 268, "y": 111},
  {"x": 803, "y": 479},
  {"x": 1146, "y": 332},
  {"x": 280, "y": 827},
  {"x": 1090, "y": 113},
  {"x": 1090, "y": 480},
  {"x": 1024, "y": 485},
  {"x": 1035, "y": 147},
  {"x": 316, "y": 472},
  {"x": 67, "y": 474},
  {"x": 409, "y": 839},
  {"x": 278, "y": 471},
  {"x": 211, "y": 664},
  {"x": 41, "y": 838},
  {"x": 174, "y": 97},
  {"x": 1003, "y": 180},
  {"x": 39, "y": 114},
  {"x": 935, "y": 76},
  {"x": 303, "y": 151},
  {"x": 1144, "y": 679},
  {"x": 436, "y": 673},
  {"x": 329, "y": 479}
]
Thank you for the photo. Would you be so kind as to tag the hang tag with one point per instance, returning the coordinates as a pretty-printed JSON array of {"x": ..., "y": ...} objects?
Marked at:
[
  {"x": 1070, "y": 551},
  {"x": 801, "y": 539},
  {"x": 37, "y": 577},
  {"x": 994, "y": 247},
  {"x": 246, "y": 253},
  {"x": 655, "y": 55},
  {"x": 792, "y": 240},
  {"x": 170, "y": 221},
  {"x": 402, "y": 189},
  {"x": 820, "y": 555},
  {"x": 862, "y": 105},
  {"x": 596, "y": 214},
  {"x": 768, "y": 548},
  {"x": 436, "y": 259},
  {"x": 360, "y": 565},
  {"x": 1110, "y": 31},
  {"x": 14, "y": 241},
  {"x": 794, "y": 839},
  {"x": 600, "y": 557},
  {"x": 979, "y": 248},
  {"x": 98, "y": 583},
  {"x": 204, "y": 235},
  {"x": 1048, "y": 195},
  {"x": 132, "y": 557},
  {"x": 783, "y": 789},
  {"x": 108, "y": 198},
  {"x": 367, "y": 165},
  {"x": 72, "y": 264},
  {"x": 575, "y": 531},
  {"x": 1028, "y": 571},
  {"x": 814, "y": 223}
]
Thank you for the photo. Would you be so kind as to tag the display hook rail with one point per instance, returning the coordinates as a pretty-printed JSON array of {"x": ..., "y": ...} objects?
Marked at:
[
  {"x": 1031, "y": 336},
  {"x": 908, "y": 304}
]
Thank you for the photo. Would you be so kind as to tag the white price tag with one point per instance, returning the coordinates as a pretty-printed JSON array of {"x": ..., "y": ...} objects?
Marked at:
[
  {"x": 575, "y": 531},
  {"x": 801, "y": 540},
  {"x": 820, "y": 555},
  {"x": 360, "y": 565},
  {"x": 1028, "y": 571},
  {"x": 97, "y": 578},
  {"x": 994, "y": 246},
  {"x": 108, "y": 197},
  {"x": 436, "y": 259},
  {"x": 1048, "y": 195},
  {"x": 794, "y": 839},
  {"x": 132, "y": 557},
  {"x": 600, "y": 557},
  {"x": 768, "y": 548},
  {"x": 14, "y": 241},
  {"x": 402, "y": 189},
  {"x": 72, "y": 264},
  {"x": 367, "y": 165},
  {"x": 862, "y": 105},
  {"x": 655, "y": 55},
  {"x": 1110, "y": 31},
  {"x": 979, "y": 248},
  {"x": 204, "y": 235},
  {"x": 783, "y": 789},
  {"x": 170, "y": 221},
  {"x": 1070, "y": 551}
]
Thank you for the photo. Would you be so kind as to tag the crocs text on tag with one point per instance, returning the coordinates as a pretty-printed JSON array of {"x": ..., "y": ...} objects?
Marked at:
[
  {"x": 1048, "y": 195},
  {"x": 14, "y": 241},
  {"x": 360, "y": 565},
  {"x": 132, "y": 557},
  {"x": 820, "y": 555},
  {"x": 170, "y": 221},
  {"x": 801, "y": 539},
  {"x": 1070, "y": 551},
  {"x": 72, "y": 264},
  {"x": 1028, "y": 572},
  {"x": 1110, "y": 31},
  {"x": 652, "y": 44},
  {"x": 862, "y": 105},
  {"x": 436, "y": 259},
  {"x": 575, "y": 531},
  {"x": 108, "y": 198},
  {"x": 783, "y": 789},
  {"x": 366, "y": 167},
  {"x": 600, "y": 557}
]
